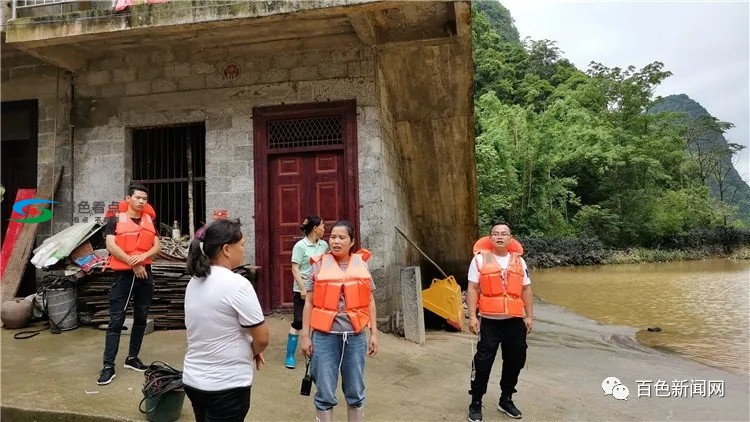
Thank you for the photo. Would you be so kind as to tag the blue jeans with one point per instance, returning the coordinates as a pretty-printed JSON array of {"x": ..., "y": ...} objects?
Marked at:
[{"x": 333, "y": 353}]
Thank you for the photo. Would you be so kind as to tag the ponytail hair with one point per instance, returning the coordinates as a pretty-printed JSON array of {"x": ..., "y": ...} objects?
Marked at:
[
  {"x": 197, "y": 261},
  {"x": 204, "y": 249},
  {"x": 309, "y": 224}
]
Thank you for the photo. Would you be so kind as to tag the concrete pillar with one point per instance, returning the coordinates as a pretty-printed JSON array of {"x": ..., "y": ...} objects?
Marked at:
[{"x": 411, "y": 300}]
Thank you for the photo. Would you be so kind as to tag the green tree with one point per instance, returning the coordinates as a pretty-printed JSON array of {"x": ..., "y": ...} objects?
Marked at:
[
  {"x": 563, "y": 152},
  {"x": 499, "y": 19}
]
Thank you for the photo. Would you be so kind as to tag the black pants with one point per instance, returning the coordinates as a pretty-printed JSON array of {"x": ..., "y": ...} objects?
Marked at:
[
  {"x": 143, "y": 292},
  {"x": 510, "y": 335},
  {"x": 219, "y": 406},
  {"x": 299, "y": 305}
]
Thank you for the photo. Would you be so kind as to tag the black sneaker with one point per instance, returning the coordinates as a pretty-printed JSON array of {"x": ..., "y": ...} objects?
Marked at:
[
  {"x": 106, "y": 375},
  {"x": 506, "y": 405},
  {"x": 135, "y": 364},
  {"x": 475, "y": 411}
]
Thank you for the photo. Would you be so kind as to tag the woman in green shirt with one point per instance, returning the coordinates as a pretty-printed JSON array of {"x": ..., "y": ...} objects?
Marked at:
[{"x": 310, "y": 245}]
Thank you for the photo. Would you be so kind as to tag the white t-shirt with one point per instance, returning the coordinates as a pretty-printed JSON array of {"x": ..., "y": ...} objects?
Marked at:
[
  {"x": 218, "y": 312},
  {"x": 503, "y": 261}
]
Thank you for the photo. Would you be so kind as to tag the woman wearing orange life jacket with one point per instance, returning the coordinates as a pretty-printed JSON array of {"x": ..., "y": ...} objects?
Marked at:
[
  {"x": 339, "y": 307},
  {"x": 499, "y": 286}
]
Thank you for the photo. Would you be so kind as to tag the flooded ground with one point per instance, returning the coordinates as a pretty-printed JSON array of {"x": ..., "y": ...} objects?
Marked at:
[{"x": 702, "y": 307}]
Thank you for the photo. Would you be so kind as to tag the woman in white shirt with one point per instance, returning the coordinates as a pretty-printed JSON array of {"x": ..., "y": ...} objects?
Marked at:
[{"x": 226, "y": 332}]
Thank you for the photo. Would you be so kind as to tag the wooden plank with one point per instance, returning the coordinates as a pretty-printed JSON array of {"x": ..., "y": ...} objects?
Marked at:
[
  {"x": 168, "y": 303},
  {"x": 20, "y": 256},
  {"x": 14, "y": 230}
]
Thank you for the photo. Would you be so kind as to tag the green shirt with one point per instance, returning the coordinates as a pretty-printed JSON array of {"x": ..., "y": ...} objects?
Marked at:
[{"x": 301, "y": 253}]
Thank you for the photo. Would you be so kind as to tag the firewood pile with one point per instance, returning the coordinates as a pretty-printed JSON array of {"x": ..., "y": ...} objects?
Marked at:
[
  {"x": 168, "y": 304},
  {"x": 175, "y": 250}
]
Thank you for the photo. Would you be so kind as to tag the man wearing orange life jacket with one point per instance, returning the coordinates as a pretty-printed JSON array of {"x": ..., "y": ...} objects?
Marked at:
[
  {"x": 339, "y": 307},
  {"x": 132, "y": 241},
  {"x": 500, "y": 288}
]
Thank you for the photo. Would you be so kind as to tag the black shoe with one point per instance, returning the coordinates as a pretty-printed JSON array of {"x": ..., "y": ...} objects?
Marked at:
[
  {"x": 106, "y": 375},
  {"x": 506, "y": 405},
  {"x": 475, "y": 411},
  {"x": 135, "y": 364}
]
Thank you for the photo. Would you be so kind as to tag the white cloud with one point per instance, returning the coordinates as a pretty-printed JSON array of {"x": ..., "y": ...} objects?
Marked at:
[{"x": 706, "y": 45}]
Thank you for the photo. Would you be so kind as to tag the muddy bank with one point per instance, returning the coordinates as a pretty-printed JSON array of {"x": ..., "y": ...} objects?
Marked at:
[
  {"x": 573, "y": 354},
  {"x": 572, "y": 252}
]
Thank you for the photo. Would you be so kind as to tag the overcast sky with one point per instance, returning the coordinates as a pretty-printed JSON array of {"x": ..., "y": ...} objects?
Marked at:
[{"x": 704, "y": 44}]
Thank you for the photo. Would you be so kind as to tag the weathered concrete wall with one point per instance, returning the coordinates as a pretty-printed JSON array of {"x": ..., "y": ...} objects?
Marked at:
[
  {"x": 433, "y": 125},
  {"x": 159, "y": 88},
  {"x": 394, "y": 200},
  {"x": 171, "y": 16},
  {"x": 6, "y": 12},
  {"x": 26, "y": 78},
  {"x": 163, "y": 65},
  {"x": 163, "y": 88}
]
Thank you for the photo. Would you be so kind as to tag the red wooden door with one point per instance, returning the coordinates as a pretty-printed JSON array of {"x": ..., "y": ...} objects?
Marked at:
[{"x": 299, "y": 185}]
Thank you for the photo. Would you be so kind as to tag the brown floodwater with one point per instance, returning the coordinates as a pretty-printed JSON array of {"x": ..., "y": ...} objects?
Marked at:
[{"x": 702, "y": 307}]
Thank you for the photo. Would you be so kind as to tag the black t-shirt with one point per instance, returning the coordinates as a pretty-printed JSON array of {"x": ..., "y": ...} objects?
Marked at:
[{"x": 111, "y": 228}]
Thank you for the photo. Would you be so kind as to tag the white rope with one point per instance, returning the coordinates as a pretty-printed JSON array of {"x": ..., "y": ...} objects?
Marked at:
[
  {"x": 132, "y": 283},
  {"x": 343, "y": 348}
]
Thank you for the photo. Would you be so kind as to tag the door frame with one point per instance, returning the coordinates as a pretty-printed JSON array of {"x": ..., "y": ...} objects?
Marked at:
[
  {"x": 28, "y": 278},
  {"x": 261, "y": 115}
]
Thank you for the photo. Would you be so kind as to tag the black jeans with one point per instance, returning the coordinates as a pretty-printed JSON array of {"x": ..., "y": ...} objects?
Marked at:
[
  {"x": 219, "y": 406},
  {"x": 510, "y": 335},
  {"x": 143, "y": 292}
]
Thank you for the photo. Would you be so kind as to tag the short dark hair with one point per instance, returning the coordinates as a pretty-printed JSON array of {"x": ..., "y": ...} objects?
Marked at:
[
  {"x": 500, "y": 222},
  {"x": 136, "y": 186}
]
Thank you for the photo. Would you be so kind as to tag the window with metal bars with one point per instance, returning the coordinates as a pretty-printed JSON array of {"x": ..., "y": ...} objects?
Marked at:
[
  {"x": 170, "y": 161},
  {"x": 308, "y": 132}
]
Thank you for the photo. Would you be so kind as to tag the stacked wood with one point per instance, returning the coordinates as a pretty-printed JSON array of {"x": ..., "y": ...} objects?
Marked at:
[
  {"x": 173, "y": 249},
  {"x": 168, "y": 304}
]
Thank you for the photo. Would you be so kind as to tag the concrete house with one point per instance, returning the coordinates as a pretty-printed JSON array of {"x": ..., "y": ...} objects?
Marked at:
[{"x": 272, "y": 110}]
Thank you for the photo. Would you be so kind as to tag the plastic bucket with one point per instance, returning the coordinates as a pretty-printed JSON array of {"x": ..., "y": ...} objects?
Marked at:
[
  {"x": 61, "y": 308},
  {"x": 165, "y": 407}
]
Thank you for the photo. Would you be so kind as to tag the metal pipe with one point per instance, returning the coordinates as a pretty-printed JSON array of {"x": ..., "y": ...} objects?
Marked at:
[
  {"x": 420, "y": 251},
  {"x": 72, "y": 129}
]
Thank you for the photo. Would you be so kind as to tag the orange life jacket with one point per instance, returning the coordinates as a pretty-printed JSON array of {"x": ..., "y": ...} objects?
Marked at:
[
  {"x": 331, "y": 281},
  {"x": 485, "y": 245},
  {"x": 123, "y": 206},
  {"x": 500, "y": 294},
  {"x": 133, "y": 239}
]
